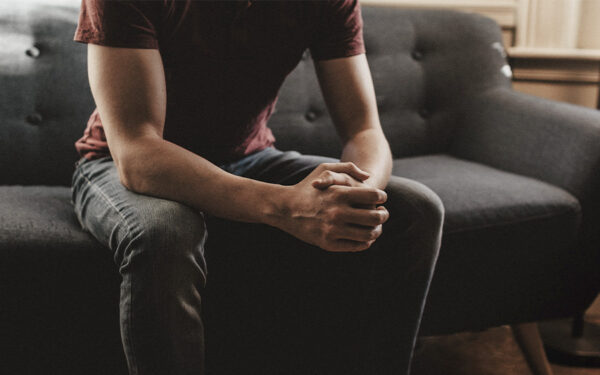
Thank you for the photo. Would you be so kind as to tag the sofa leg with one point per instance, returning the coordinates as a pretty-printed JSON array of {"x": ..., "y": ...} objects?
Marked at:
[{"x": 528, "y": 337}]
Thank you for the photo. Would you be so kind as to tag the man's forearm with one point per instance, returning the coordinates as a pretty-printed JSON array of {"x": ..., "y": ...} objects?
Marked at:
[
  {"x": 162, "y": 169},
  {"x": 370, "y": 151},
  {"x": 328, "y": 218}
]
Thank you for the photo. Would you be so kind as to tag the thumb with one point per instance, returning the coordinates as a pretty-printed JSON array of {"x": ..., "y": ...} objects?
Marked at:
[
  {"x": 350, "y": 169},
  {"x": 329, "y": 178}
]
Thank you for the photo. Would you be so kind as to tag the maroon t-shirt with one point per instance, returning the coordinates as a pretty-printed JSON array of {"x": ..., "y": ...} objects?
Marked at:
[{"x": 224, "y": 62}]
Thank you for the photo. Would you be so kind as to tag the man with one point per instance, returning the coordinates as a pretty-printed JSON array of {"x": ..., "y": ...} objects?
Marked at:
[{"x": 183, "y": 91}]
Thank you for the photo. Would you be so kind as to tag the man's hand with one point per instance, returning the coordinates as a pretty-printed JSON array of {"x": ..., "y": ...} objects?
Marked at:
[
  {"x": 332, "y": 208},
  {"x": 331, "y": 174}
]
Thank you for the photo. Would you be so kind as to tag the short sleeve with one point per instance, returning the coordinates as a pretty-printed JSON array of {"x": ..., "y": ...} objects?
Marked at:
[
  {"x": 340, "y": 30},
  {"x": 117, "y": 23}
]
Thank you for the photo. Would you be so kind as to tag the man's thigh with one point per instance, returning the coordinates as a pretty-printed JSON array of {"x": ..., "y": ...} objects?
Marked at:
[
  {"x": 115, "y": 216},
  {"x": 309, "y": 302},
  {"x": 298, "y": 301}
]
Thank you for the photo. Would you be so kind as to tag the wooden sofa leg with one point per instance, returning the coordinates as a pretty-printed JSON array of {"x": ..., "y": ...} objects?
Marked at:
[{"x": 528, "y": 337}]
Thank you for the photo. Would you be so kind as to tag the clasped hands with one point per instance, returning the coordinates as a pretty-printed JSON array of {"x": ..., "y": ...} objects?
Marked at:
[{"x": 334, "y": 208}]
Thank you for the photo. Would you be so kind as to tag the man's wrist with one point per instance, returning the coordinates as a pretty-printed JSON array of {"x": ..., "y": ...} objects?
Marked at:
[{"x": 276, "y": 207}]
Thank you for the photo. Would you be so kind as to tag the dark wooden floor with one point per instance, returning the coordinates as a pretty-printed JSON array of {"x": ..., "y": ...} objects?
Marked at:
[{"x": 491, "y": 352}]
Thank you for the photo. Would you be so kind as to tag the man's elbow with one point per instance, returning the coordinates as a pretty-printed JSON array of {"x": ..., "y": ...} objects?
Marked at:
[
  {"x": 130, "y": 168},
  {"x": 127, "y": 180},
  {"x": 137, "y": 163}
]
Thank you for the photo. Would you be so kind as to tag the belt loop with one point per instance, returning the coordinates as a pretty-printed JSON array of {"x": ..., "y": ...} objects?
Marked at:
[{"x": 78, "y": 162}]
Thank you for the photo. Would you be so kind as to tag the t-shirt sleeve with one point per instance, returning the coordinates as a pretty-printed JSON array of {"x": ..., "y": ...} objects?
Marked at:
[
  {"x": 340, "y": 33},
  {"x": 117, "y": 23}
]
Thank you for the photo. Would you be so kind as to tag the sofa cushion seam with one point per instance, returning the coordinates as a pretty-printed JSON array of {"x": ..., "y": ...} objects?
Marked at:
[{"x": 512, "y": 222}]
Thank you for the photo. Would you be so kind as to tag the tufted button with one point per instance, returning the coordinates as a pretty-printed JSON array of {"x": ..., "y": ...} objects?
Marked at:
[
  {"x": 417, "y": 55},
  {"x": 33, "y": 52},
  {"x": 34, "y": 118},
  {"x": 424, "y": 113},
  {"x": 310, "y": 116}
]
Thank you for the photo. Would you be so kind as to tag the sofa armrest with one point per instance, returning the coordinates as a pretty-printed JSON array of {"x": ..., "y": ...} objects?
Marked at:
[{"x": 555, "y": 142}]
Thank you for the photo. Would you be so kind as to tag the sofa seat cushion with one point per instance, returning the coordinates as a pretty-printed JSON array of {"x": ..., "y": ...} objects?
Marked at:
[
  {"x": 476, "y": 196},
  {"x": 35, "y": 217},
  {"x": 59, "y": 286},
  {"x": 42, "y": 243},
  {"x": 509, "y": 249}
]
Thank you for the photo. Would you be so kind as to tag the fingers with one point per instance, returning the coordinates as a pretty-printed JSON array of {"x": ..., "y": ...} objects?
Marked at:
[
  {"x": 328, "y": 178},
  {"x": 364, "y": 217},
  {"x": 347, "y": 236},
  {"x": 360, "y": 195},
  {"x": 348, "y": 246},
  {"x": 347, "y": 167},
  {"x": 359, "y": 233}
]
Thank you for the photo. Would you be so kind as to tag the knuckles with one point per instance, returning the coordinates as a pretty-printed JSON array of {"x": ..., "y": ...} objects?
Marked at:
[
  {"x": 324, "y": 166},
  {"x": 328, "y": 231},
  {"x": 382, "y": 216},
  {"x": 327, "y": 174},
  {"x": 377, "y": 196},
  {"x": 334, "y": 214},
  {"x": 347, "y": 165},
  {"x": 375, "y": 233},
  {"x": 377, "y": 217},
  {"x": 336, "y": 192}
]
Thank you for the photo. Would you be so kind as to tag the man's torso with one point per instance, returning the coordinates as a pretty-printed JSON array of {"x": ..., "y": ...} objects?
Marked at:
[{"x": 224, "y": 63}]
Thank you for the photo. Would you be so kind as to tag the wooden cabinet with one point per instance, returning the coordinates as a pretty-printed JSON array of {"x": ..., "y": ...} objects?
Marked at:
[{"x": 569, "y": 75}]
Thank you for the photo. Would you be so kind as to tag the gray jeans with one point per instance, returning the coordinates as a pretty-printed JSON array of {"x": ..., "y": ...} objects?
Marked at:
[{"x": 305, "y": 311}]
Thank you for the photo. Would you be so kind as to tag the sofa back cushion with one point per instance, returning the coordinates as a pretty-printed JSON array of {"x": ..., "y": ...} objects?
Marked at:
[
  {"x": 44, "y": 95},
  {"x": 423, "y": 63}
]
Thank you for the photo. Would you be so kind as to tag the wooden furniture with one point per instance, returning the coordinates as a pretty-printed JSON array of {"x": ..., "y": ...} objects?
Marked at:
[{"x": 567, "y": 75}]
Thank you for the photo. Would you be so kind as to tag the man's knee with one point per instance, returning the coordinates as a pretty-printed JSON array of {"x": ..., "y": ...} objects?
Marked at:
[
  {"x": 165, "y": 234},
  {"x": 414, "y": 207},
  {"x": 166, "y": 223}
]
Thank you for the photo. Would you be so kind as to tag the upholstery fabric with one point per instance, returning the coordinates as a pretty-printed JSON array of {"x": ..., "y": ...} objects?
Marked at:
[
  {"x": 505, "y": 274},
  {"x": 420, "y": 79},
  {"x": 58, "y": 287},
  {"x": 506, "y": 238},
  {"x": 555, "y": 142},
  {"x": 45, "y": 99},
  {"x": 418, "y": 76},
  {"x": 39, "y": 216},
  {"x": 512, "y": 170},
  {"x": 477, "y": 197}
]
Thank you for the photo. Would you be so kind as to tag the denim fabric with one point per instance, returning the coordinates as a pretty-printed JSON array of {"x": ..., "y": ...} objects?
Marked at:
[{"x": 158, "y": 247}]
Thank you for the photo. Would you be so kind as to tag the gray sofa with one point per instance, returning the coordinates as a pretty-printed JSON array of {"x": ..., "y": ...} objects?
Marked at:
[{"x": 519, "y": 177}]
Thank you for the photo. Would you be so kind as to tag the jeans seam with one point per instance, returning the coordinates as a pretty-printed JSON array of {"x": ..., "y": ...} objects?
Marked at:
[
  {"x": 130, "y": 328},
  {"x": 129, "y": 231},
  {"x": 107, "y": 200}
]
